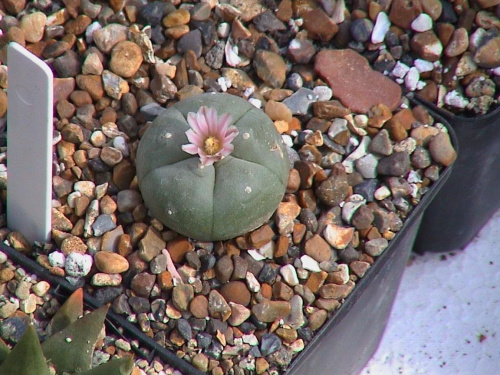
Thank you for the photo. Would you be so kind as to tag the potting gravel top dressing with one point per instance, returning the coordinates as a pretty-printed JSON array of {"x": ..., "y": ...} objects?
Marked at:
[{"x": 160, "y": 212}]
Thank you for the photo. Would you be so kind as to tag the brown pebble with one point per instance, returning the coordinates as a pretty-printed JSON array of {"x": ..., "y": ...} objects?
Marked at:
[
  {"x": 182, "y": 295},
  {"x": 237, "y": 292},
  {"x": 442, "y": 150},
  {"x": 269, "y": 311},
  {"x": 126, "y": 58},
  {"x": 427, "y": 46},
  {"x": 317, "y": 319},
  {"x": 73, "y": 244},
  {"x": 224, "y": 269},
  {"x": 261, "y": 236},
  {"x": 199, "y": 307},
  {"x": 109, "y": 262},
  {"x": 317, "y": 248},
  {"x": 270, "y": 67},
  {"x": 165, "y": 280},
  {"x": 319, "y": 25},
  {"x": 336, "y": 291}
]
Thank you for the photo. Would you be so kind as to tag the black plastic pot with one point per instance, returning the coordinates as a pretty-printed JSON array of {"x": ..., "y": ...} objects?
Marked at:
[
  {"x": 346, "y": 342},
  {"x": 471, "y": 195}
]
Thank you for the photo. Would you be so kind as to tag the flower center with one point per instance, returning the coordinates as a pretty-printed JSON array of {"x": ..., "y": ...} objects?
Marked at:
[{"x": 212, "y": 145}]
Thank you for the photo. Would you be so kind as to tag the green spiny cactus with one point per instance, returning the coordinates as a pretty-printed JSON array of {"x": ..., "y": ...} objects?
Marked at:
[
  {"x": 68, "y": 350},
  {"x": 207, "y": 194}
]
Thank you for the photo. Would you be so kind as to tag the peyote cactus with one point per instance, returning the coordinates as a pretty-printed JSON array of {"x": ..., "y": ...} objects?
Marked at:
[
  {"x": 206, "y": 179},
  {"x": 69, "y": 348}
]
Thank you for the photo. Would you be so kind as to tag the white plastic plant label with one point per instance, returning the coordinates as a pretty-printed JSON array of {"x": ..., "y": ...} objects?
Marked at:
[{"x": 29, "y": 144}]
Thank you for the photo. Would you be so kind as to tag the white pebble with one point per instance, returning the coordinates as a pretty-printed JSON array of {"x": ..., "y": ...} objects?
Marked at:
[
  {"x": 231, "y": 53},
  {"x": 256, "y": 254},
  {"x": 223, "y": 30},
  {"x": 255, "y": 102},
  {"x": 252, "y": 282},
  {"x": 309, "y": 263},
  {"x": 72, "y": 198},
  {"x": 267, "y": 250},
  {"x": 289, "y": 274},
  {"x": 89, "y": 32},
  {"x": 287, "y": 140},
  {"x": 57, "y": 259},
  {"x": 413, "y": 177},
  {"x": 85, "y": 187},
  {"x": 382, "y": 25},
  {"x": 323, "y": 93},
  {"x": 343, "y": 270},
  {"x": 422, "y": 23},
  {"x": 121, "y": 144},
  {"x": 412, "y": 78},
  {"x": 382, "y": 193},
  {"x": 400, "y": 70},
  {"x": 77, "y": 264},
  {"x": 455, "y": 99},
  {"x": 423, "y": 65}
]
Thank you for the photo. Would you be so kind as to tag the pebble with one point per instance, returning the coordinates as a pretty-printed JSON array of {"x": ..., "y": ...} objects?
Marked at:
[
  {"x": 239, "y": 314},
  {"x": 109, "y": 262},
  {"x": 346, "y": 71},
  {"x": 199, "y": 307},
  {"x": 77, "y": 264},
  {"x": 442, "y": 150},
  {"x": 289, "y": 275},
  {"x": 376, "y": 246},
  {"x": 142, "y": 284},
  {"x": 270, "y": 67},
  {"x": 33, "y": 25},
  {"x": 218, "y": 307},
  {"x": 338, "y": 237},
  {"x": 317, "y": 248},
  {"x": 380, "y": 28},
  {"x": 237, "y": 292},
  {"x": 269, "y": 344},
  {"x": 269, "y": 311},
  {"x": 422, "y": 23}
]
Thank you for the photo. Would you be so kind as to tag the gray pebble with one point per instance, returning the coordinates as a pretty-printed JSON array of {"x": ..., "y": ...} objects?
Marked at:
[{"x": 104, "y": 223}]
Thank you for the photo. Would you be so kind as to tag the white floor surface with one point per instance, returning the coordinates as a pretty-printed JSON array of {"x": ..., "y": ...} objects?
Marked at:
[{"x": 446, "y": 318}]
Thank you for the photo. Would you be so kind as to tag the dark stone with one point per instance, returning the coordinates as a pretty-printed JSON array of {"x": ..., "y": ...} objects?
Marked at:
[
  {"x": 98, "y": 166},
  {"x": 269, "y": 344},
  {"x": 268, "y": 22},
  {"x": 349, "y": 254},
  {"x": 361, "y": 29},
  {"x": 305, "y": 334},
  {"x": 108, "y": 294},
  {"x": 397, "y": 164},
  {"x": 154, "y": 12},
  {"x": 207, "y": 262},
  {"x": 268, "y": 273},
  {"x": 204, "y": 339},
  {"x": 207, "y": 29},
  {"x": 184, "y": 329},
  {"x": 67, "y": 65},
  {"x": 139, "y": 304},
  {"x": 367, "y": 189},
  {"x": 214, "y": 325},
  {"x": 151, "y": 111},
  {"x": 193, "y": 260},
  {"x": 190, "y": 41},
  {"x": 12, "y": 329},
  {"x": 308, "y": 218}
]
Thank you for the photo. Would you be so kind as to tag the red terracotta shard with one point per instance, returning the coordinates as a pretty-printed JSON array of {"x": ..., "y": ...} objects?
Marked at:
[{"x": 354, "y": 82}]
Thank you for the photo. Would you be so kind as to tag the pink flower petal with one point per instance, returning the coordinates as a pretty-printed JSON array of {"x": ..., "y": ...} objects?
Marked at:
[
  {"x": 195, "y": 138},
  {"x": 190, "y": 149}
]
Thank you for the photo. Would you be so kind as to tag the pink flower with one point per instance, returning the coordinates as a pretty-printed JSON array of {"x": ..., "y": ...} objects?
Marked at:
[{"x": 210, "y": 136}]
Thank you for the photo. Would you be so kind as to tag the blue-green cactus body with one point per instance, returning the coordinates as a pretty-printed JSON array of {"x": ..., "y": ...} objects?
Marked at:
[{"x": 229, "y": 198}]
